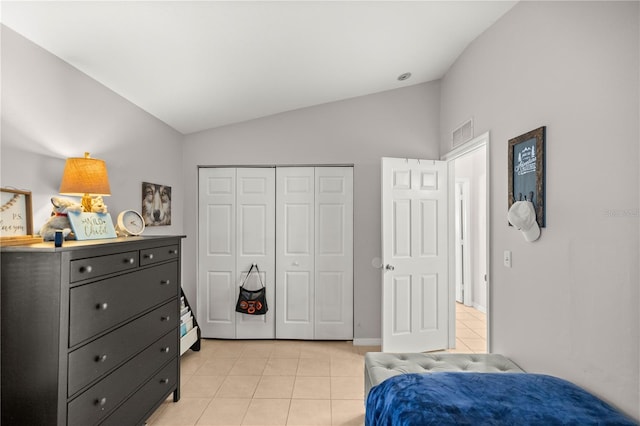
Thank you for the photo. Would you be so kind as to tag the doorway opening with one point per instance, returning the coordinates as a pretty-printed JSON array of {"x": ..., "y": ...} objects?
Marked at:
[{"x": 468, "y": 168}]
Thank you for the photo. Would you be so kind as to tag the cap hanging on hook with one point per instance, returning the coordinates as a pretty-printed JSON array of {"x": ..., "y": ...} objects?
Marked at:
[{"x": 522, "y": 215}]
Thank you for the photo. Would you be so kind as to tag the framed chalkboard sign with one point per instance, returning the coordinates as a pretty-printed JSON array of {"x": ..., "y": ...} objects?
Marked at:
[{"x": 526, "y": 171}]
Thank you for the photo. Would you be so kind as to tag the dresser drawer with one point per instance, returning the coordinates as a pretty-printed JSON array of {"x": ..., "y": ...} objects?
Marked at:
[
  {"x": 103, "y": 304},
  {"x": 91, "y": 361},
  {"x": 159, "y": 254},
  {"x": 96, "y": 402},
  {"x": 134, "y": 410},
  {"x": 92, "y": 267}
]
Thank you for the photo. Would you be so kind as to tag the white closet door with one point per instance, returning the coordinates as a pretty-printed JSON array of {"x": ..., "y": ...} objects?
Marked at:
[
  {"x": 295, "y": 246},
  {"x": 217, "y": 283},
  {"x": 333, "y": 253},
  {"x": 307, "y": 265},
  {"x": 236, "y": 229},
  {"x": 255, "y": 207},
  {"x": 314, "y": 261}
]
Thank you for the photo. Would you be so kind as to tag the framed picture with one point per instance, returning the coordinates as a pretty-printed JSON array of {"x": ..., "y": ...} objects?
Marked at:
[
  {"x": 16, "y": 217},
  {"x": 526, "y": 171},
  {"x": 156, "y": 204}
]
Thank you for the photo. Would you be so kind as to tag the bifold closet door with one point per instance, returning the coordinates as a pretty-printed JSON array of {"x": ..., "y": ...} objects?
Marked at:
[
  {"x": 295, "y": 246},
  {"x": 236, "y": 228},
  {"x": 334, "y": 253},
  {"x": 314, "y": 253},
  {"x": 255, "y": 200}
]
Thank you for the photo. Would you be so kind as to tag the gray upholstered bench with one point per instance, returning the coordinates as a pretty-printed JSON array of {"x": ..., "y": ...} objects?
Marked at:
[{"x": 379, "y": 366}]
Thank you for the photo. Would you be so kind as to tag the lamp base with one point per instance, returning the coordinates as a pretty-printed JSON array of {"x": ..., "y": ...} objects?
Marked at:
[{"x": 86, "y": 203}]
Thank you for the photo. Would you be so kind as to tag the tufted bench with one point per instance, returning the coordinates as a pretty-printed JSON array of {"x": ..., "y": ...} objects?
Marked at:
[{"x": 379, "y": 366}]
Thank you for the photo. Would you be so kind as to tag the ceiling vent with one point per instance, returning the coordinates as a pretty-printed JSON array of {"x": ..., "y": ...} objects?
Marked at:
[{"x": 463, "y": 133}]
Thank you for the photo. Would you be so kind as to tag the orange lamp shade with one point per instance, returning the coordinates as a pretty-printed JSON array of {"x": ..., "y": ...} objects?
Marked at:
[{"x": 85, "y": 176}]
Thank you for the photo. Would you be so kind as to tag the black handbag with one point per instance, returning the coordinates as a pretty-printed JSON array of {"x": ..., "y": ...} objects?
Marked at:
[{"x": 252, "y": 302}]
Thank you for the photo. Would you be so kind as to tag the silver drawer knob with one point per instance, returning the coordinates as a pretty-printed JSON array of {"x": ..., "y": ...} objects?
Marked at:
[
  {"x": 167, "y": 318},
  {"x": 129, "y": 261},
  {"x": 165, "y": 350},
  {"x": 101, "y": 358},
  {"x": 165, "y": 282},
  {"x": 101, "y": 401},
  {"x": 148, "y": 256},
  {"x": 164, "y": 381},
  {"x": 102, "y": 306},
  {"x": 174, "y": 251},
  {"x": 86, "y": 269}
]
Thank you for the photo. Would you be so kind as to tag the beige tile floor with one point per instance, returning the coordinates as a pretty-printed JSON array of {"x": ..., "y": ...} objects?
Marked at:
[
  {"x": 471, "y": 330},
  {"x": 269, "y": 382},
  {"x": 282, "y": 382}
]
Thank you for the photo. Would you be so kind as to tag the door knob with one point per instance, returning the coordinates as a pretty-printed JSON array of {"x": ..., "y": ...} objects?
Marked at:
[{"x": 389, "y": 267}]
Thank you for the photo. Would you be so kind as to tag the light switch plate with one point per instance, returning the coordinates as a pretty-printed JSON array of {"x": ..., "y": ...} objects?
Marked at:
[{"x": 507, "y": 258}]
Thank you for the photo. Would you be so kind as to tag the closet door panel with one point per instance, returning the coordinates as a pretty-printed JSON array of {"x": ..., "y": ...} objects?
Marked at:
[
  {"x": 295, "y": 245},
  {"x": 330, "y": 298},
  {"x": 217, "y": 252},
  {"x": 333, "y": 253},
  {"x": 220, "y": 242},
  {"x": 296, "y": 295},
  {"x": 298, "y": 218},
  {"x": 253, "y": 229},
  {"x": 331, "y": 218},
  {"x": 255, "y": 198},
  {"x": 220, "y": 289}
]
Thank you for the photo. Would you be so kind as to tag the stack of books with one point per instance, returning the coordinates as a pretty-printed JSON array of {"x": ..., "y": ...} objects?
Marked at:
[
  {"x": 189, "y": 333},
  {"x": 186, "y": 318}
]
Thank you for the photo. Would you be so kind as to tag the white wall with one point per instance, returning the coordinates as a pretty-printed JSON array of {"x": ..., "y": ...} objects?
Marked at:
[
  {"x": 569, "y": 305},
  {"x": 359, "y": 131},
  {"x": 472, "y": 167},
  {"x": 51, "y": 111}
]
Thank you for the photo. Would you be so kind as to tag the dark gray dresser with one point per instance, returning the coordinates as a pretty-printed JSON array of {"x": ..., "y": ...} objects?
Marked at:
[{"x": 90, "y": 331}]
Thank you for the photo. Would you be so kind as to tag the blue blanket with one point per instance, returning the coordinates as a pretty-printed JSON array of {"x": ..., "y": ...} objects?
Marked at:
[{"x": 449, "y": 398}]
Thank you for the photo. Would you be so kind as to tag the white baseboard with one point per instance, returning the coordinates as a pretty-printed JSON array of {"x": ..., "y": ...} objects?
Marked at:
[
  {"x": 367, "y": 342},
  {"x": 480, "y": 308}
]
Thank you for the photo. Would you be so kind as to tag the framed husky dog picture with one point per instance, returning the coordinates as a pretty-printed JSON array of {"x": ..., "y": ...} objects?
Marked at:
[{"x": 156, "y": 204}]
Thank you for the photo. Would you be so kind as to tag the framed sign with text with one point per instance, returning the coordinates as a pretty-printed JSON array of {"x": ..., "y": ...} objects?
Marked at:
[
  {"x": 526, "y": 171},
  {"x": 92, "y": 226},
  {"x": 16, "y": 217}
]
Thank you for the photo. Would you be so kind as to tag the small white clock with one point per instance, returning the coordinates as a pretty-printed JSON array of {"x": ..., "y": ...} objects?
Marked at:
[{"x": 130, "y": 222}]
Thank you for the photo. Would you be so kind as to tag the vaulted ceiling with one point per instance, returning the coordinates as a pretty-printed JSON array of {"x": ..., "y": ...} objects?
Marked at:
[{"x": 201, "y": 64}]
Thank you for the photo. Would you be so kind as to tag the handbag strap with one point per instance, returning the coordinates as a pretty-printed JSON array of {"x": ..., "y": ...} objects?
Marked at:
[{"x": 249, "y": 273}]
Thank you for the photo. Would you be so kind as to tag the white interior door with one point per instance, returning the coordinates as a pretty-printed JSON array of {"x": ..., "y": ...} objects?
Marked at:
[
  {"x": 295, "y": 245},
  {"x": 415, "y": 255},
  {"x": 236, "y": 228},
  {"x": 333, "y": 253},
  {"x": 217, "y": 289}
]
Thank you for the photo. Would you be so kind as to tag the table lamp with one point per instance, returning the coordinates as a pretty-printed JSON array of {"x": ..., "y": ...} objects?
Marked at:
[{"x": 85, "y": 177}]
